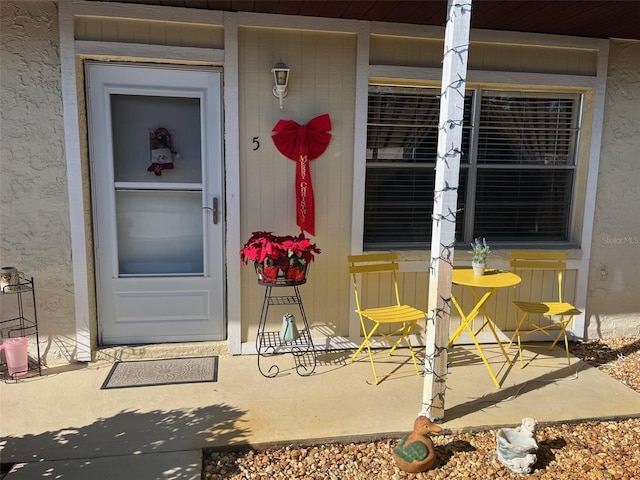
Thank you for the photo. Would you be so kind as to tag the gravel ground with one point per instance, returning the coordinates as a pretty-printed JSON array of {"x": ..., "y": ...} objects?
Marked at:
[{"x": 587, "y": 450}]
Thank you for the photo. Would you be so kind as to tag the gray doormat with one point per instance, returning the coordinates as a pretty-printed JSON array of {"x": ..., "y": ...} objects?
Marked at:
[{"x": 145, "y": 373}]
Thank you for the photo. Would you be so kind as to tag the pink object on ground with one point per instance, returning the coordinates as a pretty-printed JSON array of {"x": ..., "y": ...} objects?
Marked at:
[{"x": 15, "y": 352}]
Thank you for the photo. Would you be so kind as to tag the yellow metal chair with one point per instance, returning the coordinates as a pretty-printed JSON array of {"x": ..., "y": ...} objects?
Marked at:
[
  {"x": 559, "y": 313},
  {"x": 384, "y": 267}
]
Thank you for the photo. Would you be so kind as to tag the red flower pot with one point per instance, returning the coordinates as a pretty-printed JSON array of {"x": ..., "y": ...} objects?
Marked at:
[
  {"x": 267, "y": 274},
  {"x": 295, "y": 274}
]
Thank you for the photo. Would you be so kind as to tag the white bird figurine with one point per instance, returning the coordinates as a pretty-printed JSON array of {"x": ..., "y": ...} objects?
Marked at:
[{"x": 517, "y": 447}]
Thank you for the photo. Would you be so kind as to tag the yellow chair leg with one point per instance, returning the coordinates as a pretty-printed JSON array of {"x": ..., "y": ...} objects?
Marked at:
[
  {"x": 516, "y": 335},
  {"x": 520, "y": 352},
  {"x": 367, "y": 343},
  {"x": 406, "y": 331},
  {"x": 563, "y": 333},
  {"x": 373, "y": 365}
]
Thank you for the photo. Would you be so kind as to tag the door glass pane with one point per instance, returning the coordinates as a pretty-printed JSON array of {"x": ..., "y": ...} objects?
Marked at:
[
  {"x": 134, "y": 120},
  {"x": 159, "y": 232}
]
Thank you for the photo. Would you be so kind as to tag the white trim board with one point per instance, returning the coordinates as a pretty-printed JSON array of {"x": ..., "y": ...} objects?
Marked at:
[
  {"x": 148, "y": 12},
  {"x": 485, "y": 76},
  {"x": 146, "y": 52},
  {"x": 230, "y": 98},
  {"x": 77, "y": 200}
]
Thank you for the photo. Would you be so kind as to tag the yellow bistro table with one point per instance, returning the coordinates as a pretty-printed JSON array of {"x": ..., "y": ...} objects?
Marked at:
[{"x": 490, "y": 282}]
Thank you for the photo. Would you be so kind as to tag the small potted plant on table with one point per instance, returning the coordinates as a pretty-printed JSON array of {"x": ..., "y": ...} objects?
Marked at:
[{"x": 480, "y": 251}]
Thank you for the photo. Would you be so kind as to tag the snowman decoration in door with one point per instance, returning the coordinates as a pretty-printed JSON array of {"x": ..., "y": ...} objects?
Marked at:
[{"x": 162, "y": 152}]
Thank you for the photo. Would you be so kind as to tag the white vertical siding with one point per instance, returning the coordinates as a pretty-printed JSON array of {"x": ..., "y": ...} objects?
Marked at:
[
  {"x": 148, "y": 32},
  {"x": 322, "y": 80},
  {"x": 415, "y": 52},
  {"x": 487, "y": 56}
]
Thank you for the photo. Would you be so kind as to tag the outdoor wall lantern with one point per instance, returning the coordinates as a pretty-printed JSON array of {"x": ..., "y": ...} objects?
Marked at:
[{"x": 281, "y": 79}]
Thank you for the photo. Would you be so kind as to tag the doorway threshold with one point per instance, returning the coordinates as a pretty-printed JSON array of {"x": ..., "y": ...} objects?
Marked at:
[{"x": 115, "y": 353}]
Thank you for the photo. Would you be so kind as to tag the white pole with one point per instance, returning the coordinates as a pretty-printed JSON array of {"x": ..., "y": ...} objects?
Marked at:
[{"x": 454, "y": 72}]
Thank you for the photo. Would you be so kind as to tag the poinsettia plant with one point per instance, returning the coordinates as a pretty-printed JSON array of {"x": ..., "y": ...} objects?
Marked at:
[
  {"x": 283, "y": 251},
  {"x": 300, "y": 251},
  {"x": 261, "y": 249}
]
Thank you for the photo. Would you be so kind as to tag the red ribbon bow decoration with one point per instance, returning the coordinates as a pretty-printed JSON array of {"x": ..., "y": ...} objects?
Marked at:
[{"x": 303, "y": 143}]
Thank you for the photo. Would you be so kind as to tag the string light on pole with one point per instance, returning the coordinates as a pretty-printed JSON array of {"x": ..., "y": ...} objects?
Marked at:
[{"x": 444, "y": 217}]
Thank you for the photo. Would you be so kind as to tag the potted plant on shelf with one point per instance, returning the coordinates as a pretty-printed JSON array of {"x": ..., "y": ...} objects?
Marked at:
[
  {"x": 276, "y": 256},
  {"x": 300, "y": 252},
  {"x": 480, "y": 251},
  {"x": 262, "y": 250}
]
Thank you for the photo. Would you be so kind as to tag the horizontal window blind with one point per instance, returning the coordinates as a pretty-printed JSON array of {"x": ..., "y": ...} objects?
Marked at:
[
  {"x": 523, "y": 130},
  {"x": 532, "y": 204},
  {"x": 399, "y": 205},
  {"x": 402, "y": 125},
  {"x": 516, "y": 183}
]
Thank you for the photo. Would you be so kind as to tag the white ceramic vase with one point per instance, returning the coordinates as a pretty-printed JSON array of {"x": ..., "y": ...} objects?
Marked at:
[
  {"x": 478, "y": 268},
  {"x": 289, "y": 331}
]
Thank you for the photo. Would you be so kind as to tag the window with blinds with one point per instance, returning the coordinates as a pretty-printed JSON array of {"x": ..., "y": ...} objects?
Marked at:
[{"x": 516, "y": 175}]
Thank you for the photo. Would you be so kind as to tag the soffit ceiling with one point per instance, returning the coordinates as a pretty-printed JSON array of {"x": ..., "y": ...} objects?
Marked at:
[{"x": 586, "y": 18}]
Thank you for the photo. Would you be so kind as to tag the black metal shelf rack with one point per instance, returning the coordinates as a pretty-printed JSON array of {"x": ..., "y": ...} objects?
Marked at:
[
  {"x": 269, "y": 344},
  {"x": 24, "y": 324}
]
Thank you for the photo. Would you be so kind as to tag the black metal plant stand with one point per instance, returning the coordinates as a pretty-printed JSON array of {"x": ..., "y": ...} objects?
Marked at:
[
  {"x": 22, "y": 324},
  {"x": 269, "y": 344}
]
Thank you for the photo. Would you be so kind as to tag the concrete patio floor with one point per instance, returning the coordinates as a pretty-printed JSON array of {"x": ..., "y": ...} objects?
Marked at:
[{"x": 61, "y": 425}]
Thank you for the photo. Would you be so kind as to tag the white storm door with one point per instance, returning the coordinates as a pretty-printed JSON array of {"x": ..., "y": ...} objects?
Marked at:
[{"x": 158, "y": 233}]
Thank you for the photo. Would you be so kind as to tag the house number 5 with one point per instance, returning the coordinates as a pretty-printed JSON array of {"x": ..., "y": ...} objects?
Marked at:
[{"x": 256, "y": 143}]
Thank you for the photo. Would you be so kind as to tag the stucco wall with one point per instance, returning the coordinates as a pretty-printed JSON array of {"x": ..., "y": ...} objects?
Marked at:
[
  {"x": 34, "y": 216},
  {"x": 613, "y": 306}
]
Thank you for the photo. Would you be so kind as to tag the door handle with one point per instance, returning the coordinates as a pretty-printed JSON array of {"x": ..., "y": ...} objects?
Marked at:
[{"x": 214, "y": 210}]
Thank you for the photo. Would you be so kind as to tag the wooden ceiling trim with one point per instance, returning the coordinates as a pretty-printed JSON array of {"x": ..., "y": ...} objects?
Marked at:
[
  {"x": 357, "y": 10},
  {"x": 496, "y": 18},
  {"x": 409, "y": 11},
  {"x": 317, "y": 9}
]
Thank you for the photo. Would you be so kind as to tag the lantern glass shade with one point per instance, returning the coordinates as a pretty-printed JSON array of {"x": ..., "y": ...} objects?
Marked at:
[
  {"x": 280, "y": 75},
  {"x": 281, "y": 79}
]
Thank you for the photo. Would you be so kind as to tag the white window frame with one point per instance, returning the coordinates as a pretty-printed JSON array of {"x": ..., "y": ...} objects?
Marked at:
[{"x": 471, "y": 163}]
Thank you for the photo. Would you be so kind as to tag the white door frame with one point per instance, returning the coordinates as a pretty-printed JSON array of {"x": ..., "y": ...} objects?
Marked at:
[{"x": 75, "y": 123}]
